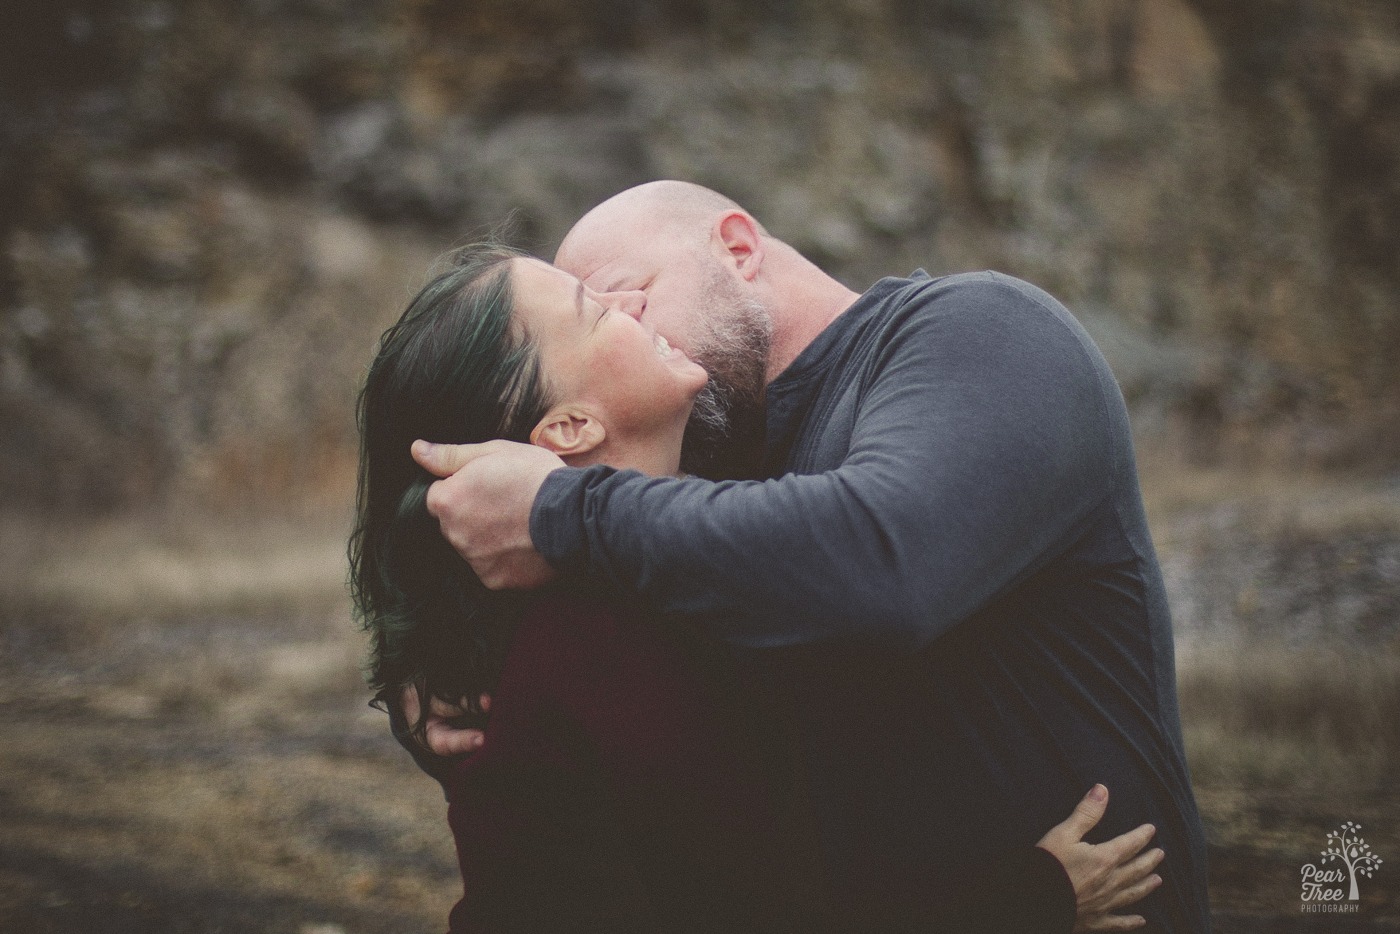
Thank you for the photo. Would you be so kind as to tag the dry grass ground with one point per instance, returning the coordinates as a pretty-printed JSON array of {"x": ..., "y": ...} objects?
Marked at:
[
  {"x": 185, "y": 744},
  {"x": 1289, "y": 678},
  {"x": 1285, "y": 745},
  {"x": 185, "y": 747}
]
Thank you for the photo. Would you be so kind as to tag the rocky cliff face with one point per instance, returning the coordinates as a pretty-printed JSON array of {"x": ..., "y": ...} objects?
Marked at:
[{"x": 210, "y": 209}]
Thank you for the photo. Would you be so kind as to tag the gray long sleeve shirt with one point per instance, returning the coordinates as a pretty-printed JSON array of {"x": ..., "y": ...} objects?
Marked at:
[{"x": 952, "y": 571}]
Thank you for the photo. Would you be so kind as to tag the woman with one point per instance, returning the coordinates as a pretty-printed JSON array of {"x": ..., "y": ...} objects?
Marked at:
[{"x": 626, "y": 783}]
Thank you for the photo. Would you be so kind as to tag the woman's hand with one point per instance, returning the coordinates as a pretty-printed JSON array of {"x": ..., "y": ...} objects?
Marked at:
[
  {"x": 443, "y": 736},
  {"x": 1106, "y": 876}
]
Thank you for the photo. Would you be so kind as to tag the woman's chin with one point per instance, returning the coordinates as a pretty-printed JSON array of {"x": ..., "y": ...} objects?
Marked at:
[{"x": 695, "y": 375}]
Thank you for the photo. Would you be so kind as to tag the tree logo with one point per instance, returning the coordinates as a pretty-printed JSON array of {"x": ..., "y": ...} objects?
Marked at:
[{"x": 1322, "y": 885}]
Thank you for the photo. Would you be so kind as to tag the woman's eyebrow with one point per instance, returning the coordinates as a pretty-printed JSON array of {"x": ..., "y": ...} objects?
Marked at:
[{"x": 578, "y": 300}]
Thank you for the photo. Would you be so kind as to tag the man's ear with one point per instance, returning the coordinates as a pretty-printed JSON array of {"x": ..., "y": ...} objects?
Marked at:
[
  {"x": 568, "y": 432},
  {"x": 742, "y": 241}
]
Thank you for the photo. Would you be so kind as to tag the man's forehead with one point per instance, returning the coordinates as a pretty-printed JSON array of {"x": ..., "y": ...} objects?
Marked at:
[
  {"x": 613, "y": 275},
  {"x": 615, "y": 236},
  {"x": 606, "y": 265},
  {"x": 586, "y": 249}
]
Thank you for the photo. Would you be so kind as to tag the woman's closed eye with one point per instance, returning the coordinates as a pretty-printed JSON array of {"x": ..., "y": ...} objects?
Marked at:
[{"x": 601, "y": 311}]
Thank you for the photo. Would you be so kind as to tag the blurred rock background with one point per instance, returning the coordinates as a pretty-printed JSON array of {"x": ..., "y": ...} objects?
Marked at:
[{"x": 210, "y": 209}]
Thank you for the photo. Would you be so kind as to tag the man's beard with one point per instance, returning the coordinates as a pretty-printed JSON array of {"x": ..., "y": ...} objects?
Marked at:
[{"x": 732, "y": 346}]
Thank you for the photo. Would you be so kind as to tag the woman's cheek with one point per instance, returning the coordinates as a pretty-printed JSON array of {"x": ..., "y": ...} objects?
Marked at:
[{"x": 626, "y": 366}]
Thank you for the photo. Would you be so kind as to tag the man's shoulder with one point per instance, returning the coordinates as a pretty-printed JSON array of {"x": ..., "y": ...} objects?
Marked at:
[
  {"x": 986, "y": 291},
  {"x": 972, "y": 305},
  {"x": 990, "y": 327}
]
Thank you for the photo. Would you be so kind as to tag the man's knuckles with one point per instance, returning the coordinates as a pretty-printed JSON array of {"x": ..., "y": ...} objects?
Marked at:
[{"x": 439, "y": 499}]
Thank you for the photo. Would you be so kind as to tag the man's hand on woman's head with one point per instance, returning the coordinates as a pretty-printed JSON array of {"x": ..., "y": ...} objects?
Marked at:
[
  {"x": 1106, "y": 876},
  {"x": 482, "y": 503},
  {"x": 443, "y": 737}
]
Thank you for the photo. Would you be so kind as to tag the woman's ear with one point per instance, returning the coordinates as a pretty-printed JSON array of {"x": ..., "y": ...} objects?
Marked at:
[{"x": 568, "y": 432}]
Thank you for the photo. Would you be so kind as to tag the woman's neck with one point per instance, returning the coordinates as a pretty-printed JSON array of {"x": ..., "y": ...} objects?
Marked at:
[{"x": 654, "y": 456}]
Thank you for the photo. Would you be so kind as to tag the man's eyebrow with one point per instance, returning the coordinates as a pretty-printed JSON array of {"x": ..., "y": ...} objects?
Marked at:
[{"x": 611, "y": 283}]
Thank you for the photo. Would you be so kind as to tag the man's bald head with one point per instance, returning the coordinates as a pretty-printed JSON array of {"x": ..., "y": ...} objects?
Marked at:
[{"x": 663, "y": 208}]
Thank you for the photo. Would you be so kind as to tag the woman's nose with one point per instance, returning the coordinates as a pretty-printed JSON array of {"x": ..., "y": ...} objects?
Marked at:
[{"x": 630, "y": 303}]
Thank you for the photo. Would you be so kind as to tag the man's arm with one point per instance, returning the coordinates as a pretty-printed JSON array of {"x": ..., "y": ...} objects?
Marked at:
[{"x": 982, "y": 445}]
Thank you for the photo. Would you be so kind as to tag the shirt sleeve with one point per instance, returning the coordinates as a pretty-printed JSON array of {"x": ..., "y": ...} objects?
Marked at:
[{"x": 982, "y": 444}]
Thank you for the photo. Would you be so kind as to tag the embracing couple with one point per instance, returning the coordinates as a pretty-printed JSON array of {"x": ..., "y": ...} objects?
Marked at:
[{"x": 881, "y": 677}]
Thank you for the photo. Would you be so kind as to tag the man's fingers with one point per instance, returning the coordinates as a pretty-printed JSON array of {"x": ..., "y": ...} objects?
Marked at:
[
  {"x": 1087, "y": 813},
  {"x": 443, "y": 460},
  {"x": 1119, "y": 923},
  {"x": 449, "y": 741}
]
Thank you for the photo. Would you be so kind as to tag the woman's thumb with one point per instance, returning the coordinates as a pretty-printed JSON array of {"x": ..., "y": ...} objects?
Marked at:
[{"x": 1088, "y": 812}]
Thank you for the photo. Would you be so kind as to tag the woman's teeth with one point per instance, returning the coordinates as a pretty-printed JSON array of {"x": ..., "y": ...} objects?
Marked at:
[{"x": 663, "y": 347}]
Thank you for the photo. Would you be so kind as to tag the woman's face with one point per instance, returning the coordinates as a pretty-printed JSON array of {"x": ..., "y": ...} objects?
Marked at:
[{"x": 594, "y": 351}]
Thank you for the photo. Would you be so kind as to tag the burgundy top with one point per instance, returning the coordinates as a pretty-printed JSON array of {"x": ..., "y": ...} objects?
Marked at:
[
  {"x": 631, "y": 781},
  {"x": 620, "y": 786}
]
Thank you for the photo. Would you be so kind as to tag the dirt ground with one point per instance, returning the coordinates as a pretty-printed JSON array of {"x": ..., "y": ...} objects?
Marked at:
[{"x": 185, "y": 747}]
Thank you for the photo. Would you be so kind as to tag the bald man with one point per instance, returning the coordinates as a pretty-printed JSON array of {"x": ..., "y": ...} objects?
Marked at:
[{"x": 947, "y": 568}]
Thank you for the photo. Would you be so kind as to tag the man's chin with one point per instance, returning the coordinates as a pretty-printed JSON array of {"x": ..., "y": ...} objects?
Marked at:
[{"x": 709, "y": 415}]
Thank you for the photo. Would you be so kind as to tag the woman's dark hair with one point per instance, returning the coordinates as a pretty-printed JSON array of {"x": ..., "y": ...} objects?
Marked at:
[{"x": 454, "y": 369}]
